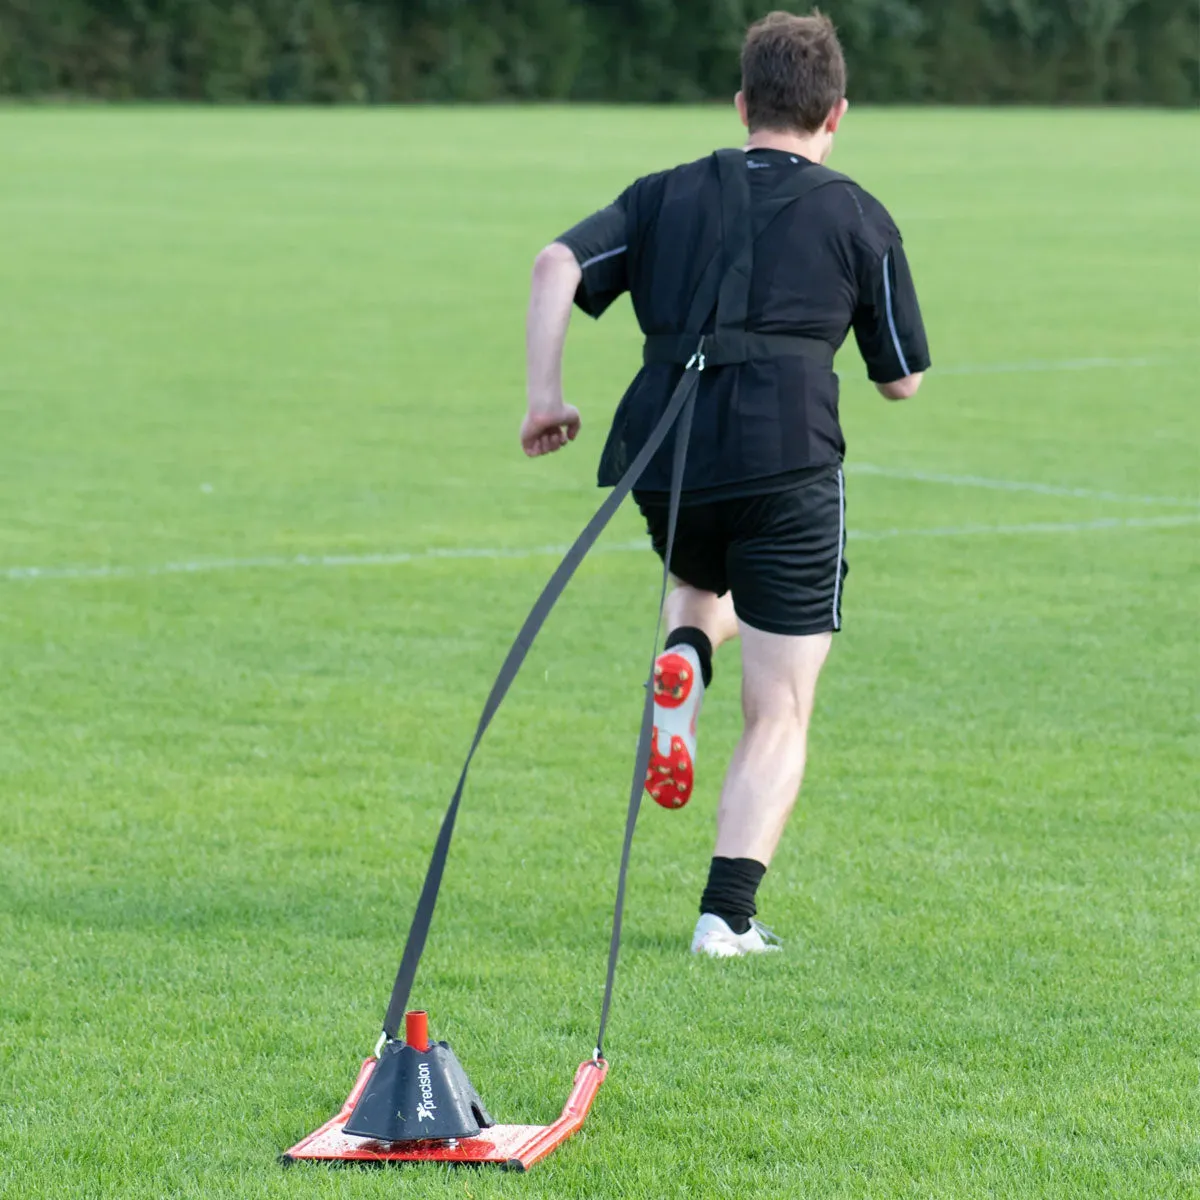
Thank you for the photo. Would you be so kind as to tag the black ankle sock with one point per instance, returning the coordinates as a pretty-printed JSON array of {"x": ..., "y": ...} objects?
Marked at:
[
  {"x": 689, "y": 635},
  {"x": 732, "y": 884}
]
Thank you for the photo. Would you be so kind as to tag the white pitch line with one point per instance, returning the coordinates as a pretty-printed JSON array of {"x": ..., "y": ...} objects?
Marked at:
[
  {"x": 1049, "y": 364},
  {"x": 1099, "y": 524},
  {"x": 276, "y": 561},
  {"x": 1016, "y": 485},
  {"x": 400, "y": 558}
]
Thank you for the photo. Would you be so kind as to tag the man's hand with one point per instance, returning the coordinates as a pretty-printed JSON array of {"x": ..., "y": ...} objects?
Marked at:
[
  {"x": 549, "y": 429},
  {"x": 549, "y": 424}
]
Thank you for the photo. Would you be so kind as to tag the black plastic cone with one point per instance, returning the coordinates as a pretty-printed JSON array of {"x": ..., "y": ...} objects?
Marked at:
[{"x": 418, "y": 1095}]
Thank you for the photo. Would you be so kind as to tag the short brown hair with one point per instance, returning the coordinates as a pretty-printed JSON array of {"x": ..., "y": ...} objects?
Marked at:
[{"x": 793, "y": 72}]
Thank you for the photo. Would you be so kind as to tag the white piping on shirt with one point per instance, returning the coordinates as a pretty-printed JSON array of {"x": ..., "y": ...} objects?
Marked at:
[
  {"x": 891, "y": 318},
  {"x": 591, "y": 262}
]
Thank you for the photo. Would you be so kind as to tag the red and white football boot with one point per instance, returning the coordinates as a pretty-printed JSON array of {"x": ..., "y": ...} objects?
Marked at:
[{"x": 678, "y": 694}]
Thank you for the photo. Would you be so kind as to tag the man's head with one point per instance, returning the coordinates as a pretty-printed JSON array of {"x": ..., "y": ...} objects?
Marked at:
[{"x": 793, "y": 76}]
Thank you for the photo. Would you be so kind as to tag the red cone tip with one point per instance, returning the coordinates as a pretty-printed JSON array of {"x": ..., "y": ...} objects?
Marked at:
[{"x": 416, "y": 1030}]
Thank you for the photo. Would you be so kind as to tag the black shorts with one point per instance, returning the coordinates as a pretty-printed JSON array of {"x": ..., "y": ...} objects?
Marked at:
[{"x": 781, "y": 554}]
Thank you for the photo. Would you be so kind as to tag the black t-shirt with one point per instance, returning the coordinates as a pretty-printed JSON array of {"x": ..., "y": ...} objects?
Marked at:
[{"x": 830, "y": 262}]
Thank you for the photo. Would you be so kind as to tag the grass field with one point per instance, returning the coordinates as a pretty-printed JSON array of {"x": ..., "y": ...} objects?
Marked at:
[{"x": 228, "y": 339}]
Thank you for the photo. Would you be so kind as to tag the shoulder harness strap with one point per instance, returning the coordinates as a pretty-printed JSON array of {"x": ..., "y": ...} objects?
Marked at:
[{"x": 730, "y": 269}]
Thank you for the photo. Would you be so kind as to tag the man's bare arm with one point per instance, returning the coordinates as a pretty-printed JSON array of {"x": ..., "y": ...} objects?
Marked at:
[
  {"x": 901, "y": 389},
  {"x": 549, "y": 423}
]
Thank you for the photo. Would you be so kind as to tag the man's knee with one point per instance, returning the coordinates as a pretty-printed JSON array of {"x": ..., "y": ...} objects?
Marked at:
[{"x": 788, "y": 708}]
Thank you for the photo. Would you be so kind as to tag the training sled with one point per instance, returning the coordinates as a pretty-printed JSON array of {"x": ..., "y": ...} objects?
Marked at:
[{"x": 414, "y": 1103}]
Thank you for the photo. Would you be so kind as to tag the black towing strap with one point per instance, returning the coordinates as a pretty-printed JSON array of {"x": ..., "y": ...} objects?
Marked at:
[
  {"x": 679, "y": 409},
  {"x": 724, "y": 286}
]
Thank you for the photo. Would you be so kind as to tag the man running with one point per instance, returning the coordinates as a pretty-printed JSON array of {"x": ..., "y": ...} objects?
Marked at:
[{"x": 759, "y": 546}]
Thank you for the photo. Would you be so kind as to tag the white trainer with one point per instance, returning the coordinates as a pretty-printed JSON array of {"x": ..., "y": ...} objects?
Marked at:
[
  {"x": 714, "y": 938},
  {"x": 678, "y": 694}
]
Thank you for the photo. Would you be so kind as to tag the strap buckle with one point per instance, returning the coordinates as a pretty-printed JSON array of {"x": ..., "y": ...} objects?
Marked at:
[{"x": 697, "y": 359}]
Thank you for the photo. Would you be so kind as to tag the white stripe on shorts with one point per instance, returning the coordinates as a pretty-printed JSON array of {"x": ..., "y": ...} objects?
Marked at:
[{"x": 837, "y": 577}]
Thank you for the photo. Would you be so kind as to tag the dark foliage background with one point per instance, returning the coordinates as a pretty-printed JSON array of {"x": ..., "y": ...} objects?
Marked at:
[{"x": 949, "y": 51}]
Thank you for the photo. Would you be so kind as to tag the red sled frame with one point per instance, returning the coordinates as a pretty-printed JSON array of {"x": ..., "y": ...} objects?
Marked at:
[{"x": 514, "y": 1147}]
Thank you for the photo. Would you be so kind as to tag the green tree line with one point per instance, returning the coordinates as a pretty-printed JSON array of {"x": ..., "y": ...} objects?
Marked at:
[{"x": 378, "y": 51}]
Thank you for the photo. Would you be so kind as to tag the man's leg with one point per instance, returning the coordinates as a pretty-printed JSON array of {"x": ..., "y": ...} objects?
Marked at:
[
  {"x": 779, "y": 680},
  {"x": 693, "y": 608},
  {"x": 779, "y": 683},
  {"x": 698, "y": 621}
]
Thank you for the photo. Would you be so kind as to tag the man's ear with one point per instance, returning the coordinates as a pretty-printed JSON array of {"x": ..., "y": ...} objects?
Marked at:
[
  {"x": 836, "y": 113},
  {"x": 739, "y": 102}
]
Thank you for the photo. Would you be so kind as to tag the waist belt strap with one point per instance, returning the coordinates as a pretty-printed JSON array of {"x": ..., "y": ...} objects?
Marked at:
[{"x": 734, "y": 346}]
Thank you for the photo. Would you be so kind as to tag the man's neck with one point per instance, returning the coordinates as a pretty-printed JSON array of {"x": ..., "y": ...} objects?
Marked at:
[{"x": 813, "y": 146}]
